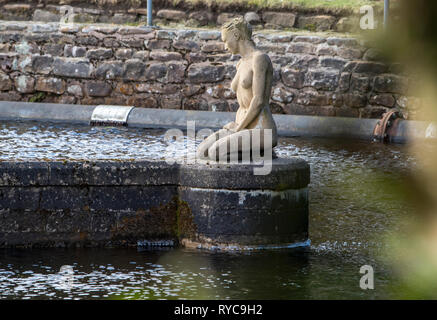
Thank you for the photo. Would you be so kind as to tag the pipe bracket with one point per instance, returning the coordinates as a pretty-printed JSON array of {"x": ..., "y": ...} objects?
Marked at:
[
  {"x": 431, "y": 131},
  {"x": 387, "y": 126}
]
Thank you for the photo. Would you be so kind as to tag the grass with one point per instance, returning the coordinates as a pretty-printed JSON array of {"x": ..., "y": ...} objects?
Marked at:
[
  {"x": 135, "y": 23},
  {"x": 37, "y": 97},
  {"x": 333, "y": 5},
  {"x": 336, "y": 4},
  {"x": 319, "y": 6}
]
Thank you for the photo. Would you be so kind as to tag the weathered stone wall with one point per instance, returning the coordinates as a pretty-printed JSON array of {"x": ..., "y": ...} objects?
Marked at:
[
  {"x": 187, "y": 13},
  {"x": 113, "y": 203},
  {"x": 187, "y": 69}
]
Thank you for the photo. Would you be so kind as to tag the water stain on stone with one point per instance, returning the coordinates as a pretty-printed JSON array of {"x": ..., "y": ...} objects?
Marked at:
[
  {"x": 157, "y": 222},
  {"x": 186, "y": 228}
]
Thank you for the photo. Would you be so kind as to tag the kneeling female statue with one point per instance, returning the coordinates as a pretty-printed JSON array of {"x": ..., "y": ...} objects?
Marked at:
[{"x": 252, "y": 84}]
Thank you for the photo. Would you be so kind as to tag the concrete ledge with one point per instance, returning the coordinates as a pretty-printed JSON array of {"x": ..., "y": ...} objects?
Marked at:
[
  {"x": 162, "y": 118},
  {"x": 45, "y": 112},
  {"x": 124, "y": 203},
  {"x": 138, "y": 173}
]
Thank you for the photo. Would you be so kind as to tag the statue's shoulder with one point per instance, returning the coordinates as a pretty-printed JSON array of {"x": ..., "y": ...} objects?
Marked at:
[{"x": 261, "y": 59}]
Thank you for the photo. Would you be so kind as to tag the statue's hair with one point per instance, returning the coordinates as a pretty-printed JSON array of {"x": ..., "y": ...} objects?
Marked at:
[{"x": 241, "y": 26}]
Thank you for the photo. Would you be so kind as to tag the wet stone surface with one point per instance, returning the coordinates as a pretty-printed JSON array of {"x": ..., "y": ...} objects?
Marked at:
[{"x": 63, "y": 197}]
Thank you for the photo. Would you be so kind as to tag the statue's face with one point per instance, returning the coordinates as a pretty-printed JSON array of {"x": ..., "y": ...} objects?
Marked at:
[{"x": 231, "y": 41}]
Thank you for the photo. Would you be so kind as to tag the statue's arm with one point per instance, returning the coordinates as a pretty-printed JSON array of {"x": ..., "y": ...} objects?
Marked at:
[
  {"x": 234, "y": 82},
  {"x": 231, "y": 125},
  {"x": 260, "y": 66}
]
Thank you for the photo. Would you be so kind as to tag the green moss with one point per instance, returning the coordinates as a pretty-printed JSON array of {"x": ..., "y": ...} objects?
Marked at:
[
  {"x": 135, "y": 23},
  {"x": 37, "y": 97},
  {"x": 331, "y": 5},
  {"x": 152, "y": 223},
  {"x": 310, "y": 27},
  {"x": 282, "y": 186}
]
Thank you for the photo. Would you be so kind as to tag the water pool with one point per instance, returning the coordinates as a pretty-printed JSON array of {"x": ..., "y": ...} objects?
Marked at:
[{"x": 356, "y": 197}]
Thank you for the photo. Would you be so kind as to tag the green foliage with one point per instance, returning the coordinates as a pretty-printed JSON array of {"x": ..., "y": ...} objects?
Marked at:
[
  {"x": 310, "y": 27},
  {"x": 37, "y": 97},
  {"x": 135, "y": 23},
  {"x": 332, "y": 5}
]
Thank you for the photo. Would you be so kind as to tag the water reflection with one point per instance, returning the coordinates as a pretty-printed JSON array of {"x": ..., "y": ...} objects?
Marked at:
[
  {"x": 359, "y": 191},
  {"x": 180, "y": 274}
]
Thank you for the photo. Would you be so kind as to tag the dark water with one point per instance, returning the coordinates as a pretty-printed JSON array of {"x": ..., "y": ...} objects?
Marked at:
[{"x": 357, "y": 197}]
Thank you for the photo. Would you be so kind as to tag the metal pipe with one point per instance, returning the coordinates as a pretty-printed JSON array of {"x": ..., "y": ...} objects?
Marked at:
[
  {"x": 149, "y": 13},
  {"x": 386, "y": 11},
  {"x": 46, "y": 112},
  {"x": 288, "y": 125}
]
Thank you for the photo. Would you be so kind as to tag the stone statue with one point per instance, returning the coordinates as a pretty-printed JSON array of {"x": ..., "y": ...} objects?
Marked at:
[{"x": 252, "y": 85}]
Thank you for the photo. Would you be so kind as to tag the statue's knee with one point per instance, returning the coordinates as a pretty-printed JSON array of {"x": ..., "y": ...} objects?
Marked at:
[
  {"x": 202, "y": 150},
  {"x": 212, "y": 152},
  {"x": 200, "y": 153},
  {"x": 219, "y": 151}
]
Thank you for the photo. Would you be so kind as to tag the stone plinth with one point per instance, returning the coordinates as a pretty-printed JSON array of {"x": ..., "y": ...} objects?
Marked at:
[{"x": 235, "y": 209}]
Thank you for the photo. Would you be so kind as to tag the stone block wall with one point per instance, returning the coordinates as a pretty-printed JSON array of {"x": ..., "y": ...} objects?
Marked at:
[{"x": 190, "y": 69}]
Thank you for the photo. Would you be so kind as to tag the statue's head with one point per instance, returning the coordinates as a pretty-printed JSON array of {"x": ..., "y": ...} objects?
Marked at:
[{"x": 236, "y": 30}]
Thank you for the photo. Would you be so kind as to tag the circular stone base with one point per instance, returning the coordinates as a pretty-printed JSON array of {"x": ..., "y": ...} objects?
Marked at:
[{"x": 233, "y": 208}]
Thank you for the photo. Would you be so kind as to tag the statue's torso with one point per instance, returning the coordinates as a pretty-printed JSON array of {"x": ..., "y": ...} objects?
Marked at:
[{"x": 242, "y": 85}]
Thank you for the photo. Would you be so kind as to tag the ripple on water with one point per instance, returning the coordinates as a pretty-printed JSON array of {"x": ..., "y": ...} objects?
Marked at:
[{"x": 355, "y": 192}]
